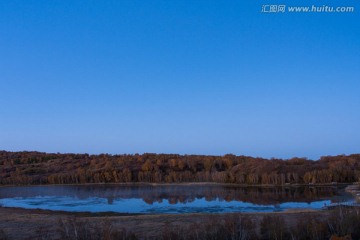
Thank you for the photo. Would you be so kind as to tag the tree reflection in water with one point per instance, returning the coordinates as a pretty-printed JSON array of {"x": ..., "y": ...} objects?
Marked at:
[{"x": 182, "y": 193}]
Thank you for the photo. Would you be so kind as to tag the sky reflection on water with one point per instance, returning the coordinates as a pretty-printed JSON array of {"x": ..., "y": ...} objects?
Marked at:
[{"x": 166, "y": 199}]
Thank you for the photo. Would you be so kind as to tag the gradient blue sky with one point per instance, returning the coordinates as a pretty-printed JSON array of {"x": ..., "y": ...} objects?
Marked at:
[{"x": 189, "y": 77}]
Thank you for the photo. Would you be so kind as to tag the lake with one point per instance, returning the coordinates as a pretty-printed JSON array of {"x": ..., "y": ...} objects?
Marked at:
[{"x": 150, "y": 199}]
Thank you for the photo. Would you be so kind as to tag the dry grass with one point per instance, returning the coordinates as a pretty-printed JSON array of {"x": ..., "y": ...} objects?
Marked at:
[{"x": 145, "y": 226}]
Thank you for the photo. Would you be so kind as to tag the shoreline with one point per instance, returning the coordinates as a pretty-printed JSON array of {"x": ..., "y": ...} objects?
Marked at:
[
  {"x": 187, "y": 184},
  {"x": 120, "y": 214},
  {"x": 354, "y": 189}
]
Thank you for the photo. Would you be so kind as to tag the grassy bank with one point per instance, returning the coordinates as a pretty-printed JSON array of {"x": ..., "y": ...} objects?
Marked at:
[{"x": 305, "y": 224}]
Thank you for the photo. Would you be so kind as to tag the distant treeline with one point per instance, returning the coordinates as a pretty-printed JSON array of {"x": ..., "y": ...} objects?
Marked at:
[{"x": 55, "y": 168}]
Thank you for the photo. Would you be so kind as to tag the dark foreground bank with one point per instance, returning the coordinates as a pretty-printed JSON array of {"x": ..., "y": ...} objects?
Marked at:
[{"x": 304, "y": 224}]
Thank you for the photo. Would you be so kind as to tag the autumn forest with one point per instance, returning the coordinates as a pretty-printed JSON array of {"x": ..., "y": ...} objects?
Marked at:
[{"x": 51, "y": 168}]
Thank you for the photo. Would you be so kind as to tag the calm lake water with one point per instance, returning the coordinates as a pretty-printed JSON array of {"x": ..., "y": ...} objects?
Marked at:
[{"x": 148, "y": 199}]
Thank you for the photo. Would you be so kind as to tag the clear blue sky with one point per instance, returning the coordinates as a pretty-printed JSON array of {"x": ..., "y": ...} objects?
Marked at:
[{"x": 189, "y": 77}]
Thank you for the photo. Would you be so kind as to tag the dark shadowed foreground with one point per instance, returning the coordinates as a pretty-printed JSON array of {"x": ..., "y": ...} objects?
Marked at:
[{"x": 37, "y": 224}]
